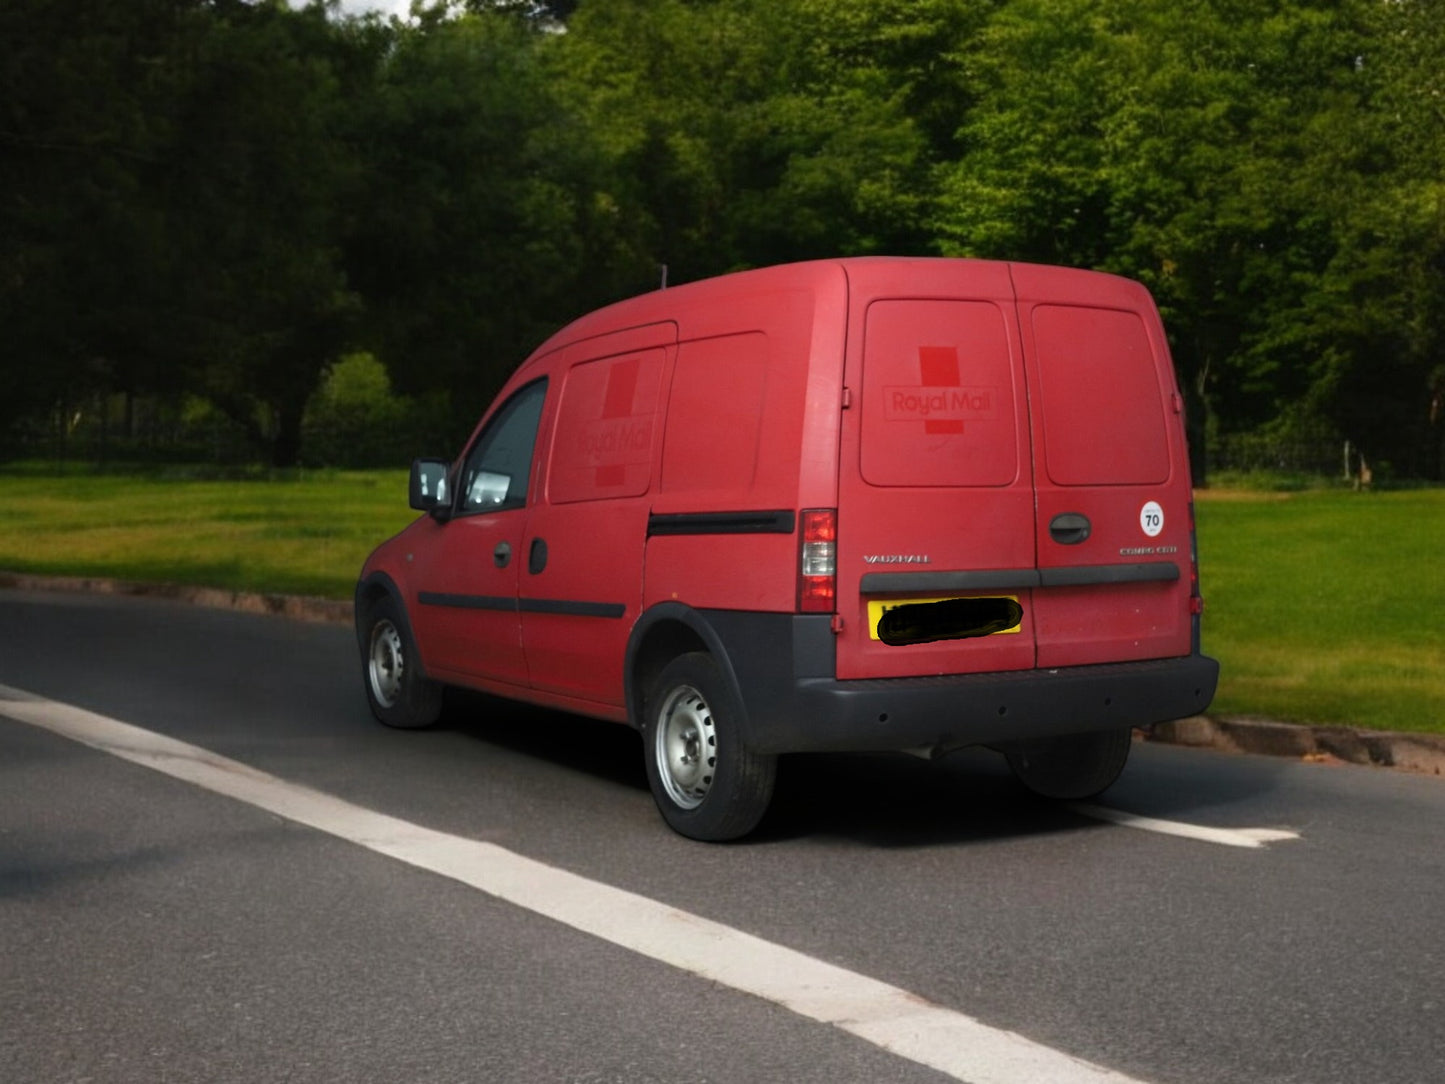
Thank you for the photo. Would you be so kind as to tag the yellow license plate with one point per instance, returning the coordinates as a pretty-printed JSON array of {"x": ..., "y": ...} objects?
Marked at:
[{"x": 878, "y": 607}]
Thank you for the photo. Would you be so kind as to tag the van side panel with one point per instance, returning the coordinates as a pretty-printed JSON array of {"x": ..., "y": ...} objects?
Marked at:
[
  {"x": 759, "y": 575},
  {"x": 751, "y": 437},
  {"x": 715, "y": 414},
  {"x": 579, "y": 567}
]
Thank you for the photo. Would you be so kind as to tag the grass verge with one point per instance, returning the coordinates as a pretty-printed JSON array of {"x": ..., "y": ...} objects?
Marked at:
[
  {"x": 1323, "y": 606},
  {"x": 305, "y": 534}
]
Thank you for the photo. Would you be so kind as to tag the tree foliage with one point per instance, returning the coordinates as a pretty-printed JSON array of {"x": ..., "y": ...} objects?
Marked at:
[{"x": 221, "y": 198}]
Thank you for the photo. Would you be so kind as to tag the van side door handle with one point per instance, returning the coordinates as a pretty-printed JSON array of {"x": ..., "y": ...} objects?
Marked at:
[
  {"x": 1069, "y": 528},
  {"x": 502, "y": 554},
  {"x": 537, "y": 556}
]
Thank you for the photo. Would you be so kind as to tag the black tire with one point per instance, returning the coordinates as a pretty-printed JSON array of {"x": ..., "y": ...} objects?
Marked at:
[
  {"x": 397, "y": 689},
  {"x": 706, "y": 782},
  {"x": 1073, "y": 766}
]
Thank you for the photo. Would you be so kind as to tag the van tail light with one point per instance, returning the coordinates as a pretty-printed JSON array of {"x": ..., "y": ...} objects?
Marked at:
[{"x": 818, "y": 561}]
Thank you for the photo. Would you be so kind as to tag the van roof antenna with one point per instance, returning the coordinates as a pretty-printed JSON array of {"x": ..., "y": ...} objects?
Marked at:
[{"x": 663, "y": 266}]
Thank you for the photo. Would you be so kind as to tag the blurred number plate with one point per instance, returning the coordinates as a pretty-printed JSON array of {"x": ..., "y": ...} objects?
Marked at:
[{"x": 878, "y": 607}]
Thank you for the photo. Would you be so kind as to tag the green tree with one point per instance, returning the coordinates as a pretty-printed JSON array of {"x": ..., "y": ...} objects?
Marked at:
[
  {"x": 1166, "y": 144},
  {"x": 484, "y": 228},
  {"x": 222, "y": 197},
  {"x": 1374, "y": 313},
  {"x": 263, "y": 190},
  {"x": 356, "y": 419},
  {"x": 742, "y": 137},
  {"x": 87, "y": 95},
  {"x": 179, "y": 178}
]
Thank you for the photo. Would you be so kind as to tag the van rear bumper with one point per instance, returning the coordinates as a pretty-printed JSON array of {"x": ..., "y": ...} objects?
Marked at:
[
  {"x": 986, "y": 709},
  {"x": 792, "y": 707}
]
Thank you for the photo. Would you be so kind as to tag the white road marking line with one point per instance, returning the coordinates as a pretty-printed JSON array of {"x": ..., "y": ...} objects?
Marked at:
[
  {"x": 887, "y": 1016},
  {"x": 1228, "y": 837}
]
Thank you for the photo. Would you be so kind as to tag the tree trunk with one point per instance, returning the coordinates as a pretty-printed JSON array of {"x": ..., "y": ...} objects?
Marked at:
[{"x": 286, "y": 446}]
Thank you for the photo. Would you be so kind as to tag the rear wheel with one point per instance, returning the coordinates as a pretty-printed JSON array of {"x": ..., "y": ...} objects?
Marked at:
[
  {"x": 398, "y": 692},
  {"x": 1072, "y": 766},
  {"x": 707, "y": 784}
]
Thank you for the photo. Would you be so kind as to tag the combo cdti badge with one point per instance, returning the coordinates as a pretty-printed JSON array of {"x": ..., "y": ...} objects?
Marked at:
[{"x": 855, "y": 504}]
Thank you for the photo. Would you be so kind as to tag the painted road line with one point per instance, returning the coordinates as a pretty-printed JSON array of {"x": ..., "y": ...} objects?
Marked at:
[
  {"x": 887, "y": 1016},
  {"x": 1227, "y": 837}
]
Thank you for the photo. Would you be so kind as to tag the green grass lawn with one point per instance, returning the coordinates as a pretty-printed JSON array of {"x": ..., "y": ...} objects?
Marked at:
[
  {"x": 1327, "y": 607},
  {"x": 306, "y": 535},
  {"x": 1324, "y": 607}
]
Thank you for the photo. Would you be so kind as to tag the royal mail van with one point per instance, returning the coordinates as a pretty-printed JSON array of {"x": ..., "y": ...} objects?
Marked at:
[{"x": 855, "y": 504}]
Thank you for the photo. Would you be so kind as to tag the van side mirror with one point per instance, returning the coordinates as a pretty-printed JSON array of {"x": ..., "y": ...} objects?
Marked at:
[{"x": 427, "y": 490}]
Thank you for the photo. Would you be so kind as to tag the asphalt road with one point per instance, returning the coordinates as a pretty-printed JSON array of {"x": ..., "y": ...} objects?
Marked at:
[{"x": 151, "y": 930}]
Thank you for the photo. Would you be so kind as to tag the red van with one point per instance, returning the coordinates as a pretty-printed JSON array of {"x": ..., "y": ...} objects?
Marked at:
[{"x": 855, "y": 504}]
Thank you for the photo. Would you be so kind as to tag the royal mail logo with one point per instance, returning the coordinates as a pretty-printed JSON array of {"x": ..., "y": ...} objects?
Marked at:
[
  {"x": 937, "y": 403},
  {"x": 618, "y": 440},
  {"x": 612, "y": 442},
  {"x": 940, "y": 399}
]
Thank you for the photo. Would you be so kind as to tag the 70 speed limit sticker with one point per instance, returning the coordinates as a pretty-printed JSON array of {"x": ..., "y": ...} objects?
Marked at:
[{"x": 1151, "y": 519}]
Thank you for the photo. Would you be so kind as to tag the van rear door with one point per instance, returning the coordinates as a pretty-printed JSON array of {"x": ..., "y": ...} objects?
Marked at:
[
  {"x": 1110, "y": 471},
  {"x": 935, "y": 501}
]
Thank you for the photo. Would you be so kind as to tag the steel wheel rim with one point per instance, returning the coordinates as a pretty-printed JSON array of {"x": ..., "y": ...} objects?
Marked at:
[
  {"x": 386, "y": 664},
  {"x": 686, "y": 747}
]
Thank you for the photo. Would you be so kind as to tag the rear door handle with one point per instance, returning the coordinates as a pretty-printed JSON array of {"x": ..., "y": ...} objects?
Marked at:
[
  {"x": 537, "y": 556},
  {"x": 1069, "y": 528}
]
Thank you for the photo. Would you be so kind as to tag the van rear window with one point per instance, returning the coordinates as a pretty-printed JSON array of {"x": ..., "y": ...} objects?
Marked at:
[
  {"x": 1103, "y": 409},
  {"x": 938, "y": 395}
]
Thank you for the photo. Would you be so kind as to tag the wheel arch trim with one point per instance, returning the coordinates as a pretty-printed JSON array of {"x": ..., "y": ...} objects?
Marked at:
[
  {"x": 379, "y": 584},
  {"x": 644, "y": 631}
]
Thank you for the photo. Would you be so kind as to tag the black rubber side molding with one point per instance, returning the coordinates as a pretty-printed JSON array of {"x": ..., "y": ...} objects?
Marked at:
[
  {"x": 570, "y": 607},
  {"x": 780, "y": 521}
]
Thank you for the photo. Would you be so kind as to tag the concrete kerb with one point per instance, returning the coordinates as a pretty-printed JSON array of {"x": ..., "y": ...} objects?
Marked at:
[
  {"x": 1422, "y": 753},
  {"x": 297, "y": 607}
]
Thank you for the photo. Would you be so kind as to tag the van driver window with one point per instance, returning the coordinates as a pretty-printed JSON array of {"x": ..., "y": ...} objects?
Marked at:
[{"x": 495, "y": 475}]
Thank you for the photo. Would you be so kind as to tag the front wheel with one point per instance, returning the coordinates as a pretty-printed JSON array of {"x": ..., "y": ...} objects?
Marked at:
[
  {"x": 1073, "y": 766},
  {"x": 398, "y": 692},
  {"x": 705, "y": 781}
]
